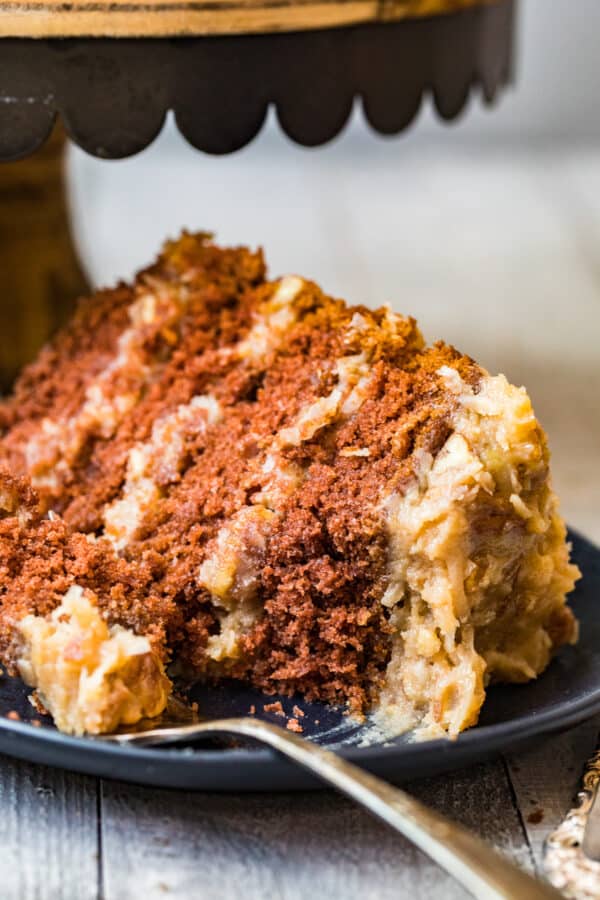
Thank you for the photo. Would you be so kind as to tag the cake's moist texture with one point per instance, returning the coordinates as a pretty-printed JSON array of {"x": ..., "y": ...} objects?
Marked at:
[{"x": 263, "y": 483}]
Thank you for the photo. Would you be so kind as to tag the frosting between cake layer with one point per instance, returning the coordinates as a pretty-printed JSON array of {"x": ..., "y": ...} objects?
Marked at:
[
  {"x": 272, "y": 320},
  {"x": 51, "y": 453},
  {"x": 155, "y": 463}
]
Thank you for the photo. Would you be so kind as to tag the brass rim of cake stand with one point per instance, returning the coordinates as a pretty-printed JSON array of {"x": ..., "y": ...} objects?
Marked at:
[{"x": 177, "y": 18}]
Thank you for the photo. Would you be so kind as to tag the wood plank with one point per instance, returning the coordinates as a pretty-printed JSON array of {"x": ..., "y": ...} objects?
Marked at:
[
  {"x": 481, "y": 799},
  {"x": 48, "y": 833},
  {"x": 119, "y": 18},
  {"x": 547, "y": 778},
  {"x": 158, "y": 843}
]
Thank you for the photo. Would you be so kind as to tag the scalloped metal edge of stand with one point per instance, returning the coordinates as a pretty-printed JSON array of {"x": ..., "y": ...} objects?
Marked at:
[{"x": 113, "y": 94}]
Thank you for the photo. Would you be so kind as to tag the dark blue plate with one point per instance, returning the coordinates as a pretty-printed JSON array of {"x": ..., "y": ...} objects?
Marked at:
[{"x": 513, "y": 716}]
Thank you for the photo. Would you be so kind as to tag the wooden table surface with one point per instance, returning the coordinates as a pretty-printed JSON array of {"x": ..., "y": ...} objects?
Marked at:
[
  {"x": 67, "y": 836},
  {"x": 496, "y": 251}
]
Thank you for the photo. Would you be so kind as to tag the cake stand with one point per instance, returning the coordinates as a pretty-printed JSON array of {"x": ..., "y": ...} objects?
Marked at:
[{"x": 106, "y": 72}]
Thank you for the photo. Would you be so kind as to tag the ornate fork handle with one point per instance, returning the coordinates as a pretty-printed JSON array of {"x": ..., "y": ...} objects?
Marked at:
[
  {"x": 485, "y": 873},
  {"x": 572, "y": 851}
]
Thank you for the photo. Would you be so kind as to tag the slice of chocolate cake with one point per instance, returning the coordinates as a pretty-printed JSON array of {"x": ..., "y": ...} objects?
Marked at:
[{"x": 228, "y": 476}]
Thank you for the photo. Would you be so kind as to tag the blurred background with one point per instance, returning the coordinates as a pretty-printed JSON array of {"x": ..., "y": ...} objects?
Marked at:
[{"x": 487, "y": 230}]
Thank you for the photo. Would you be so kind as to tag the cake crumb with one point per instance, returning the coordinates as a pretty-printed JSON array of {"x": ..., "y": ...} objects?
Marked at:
[
  {"x": 36, "y": 723},
  {"x": 275, "y": 708},
  {"x": 299, "y": 713},
  {"x": 14, "y": 715},
  {"x": 294, "y": 725},
  {"x": 535, "y": 817},
  {"x": 37, "y": 703},
  {"x": 252, "y": 710}
]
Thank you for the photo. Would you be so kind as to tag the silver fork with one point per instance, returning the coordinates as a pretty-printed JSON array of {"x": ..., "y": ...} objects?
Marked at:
[{"x": 481, "y": 870}]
